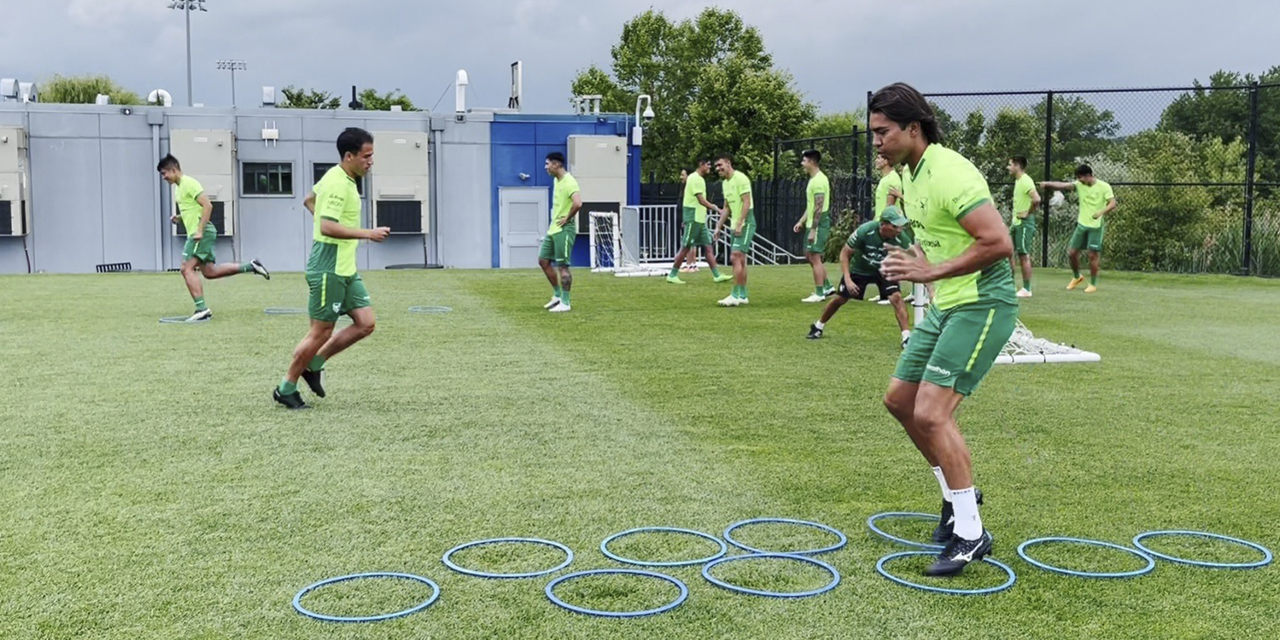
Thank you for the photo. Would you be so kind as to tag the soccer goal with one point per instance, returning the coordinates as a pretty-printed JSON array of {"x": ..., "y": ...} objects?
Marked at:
[
  {"x": 609, "y": 254},
  {"x": 1023, "y": 346}
]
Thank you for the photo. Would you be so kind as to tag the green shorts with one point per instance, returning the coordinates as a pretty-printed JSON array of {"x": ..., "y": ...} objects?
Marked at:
[
  {"x": 202, "y": 250},
  {"x": 695, "y": 235},
  {"x": 1024, "y": 236},
  {"x": 333, "y": 295},
  {"x": 688, "y": 214},
  {"x": 557, "y": 247},
  {"x": 820, "y": 244},
  {"x": 742, "y": 241},
  {"x": 955, "y": 348},
  {"x": 1087, "y": 238}
]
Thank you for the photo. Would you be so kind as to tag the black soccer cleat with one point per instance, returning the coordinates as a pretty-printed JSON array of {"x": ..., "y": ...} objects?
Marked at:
[
  {"x": 814, "y": 332},
  {"x": 946, "y": 522},
  {"x": 958, "y": 553},
  {"x": 315, "y": 380},
  {"x": 259, "y": 269},
  {"x": 291, "y": 401}
]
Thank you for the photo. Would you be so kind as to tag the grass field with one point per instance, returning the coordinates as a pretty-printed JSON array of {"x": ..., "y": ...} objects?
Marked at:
[{"x": 152, "y": 489}]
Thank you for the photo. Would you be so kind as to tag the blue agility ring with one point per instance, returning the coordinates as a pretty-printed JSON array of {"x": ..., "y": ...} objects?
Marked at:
[
  {"x": 1266, "y": 553},
  {"x": 1150, "y": 562},
  {"x": 871, "y": 524},
  {"x": 841, "y": 540},
  {"x": 835, "y": 575},
  {"x": 533, "y": 574},
  {"x": 180, "y": 320},
  {"x": 604, "y": 547},
  {"x": 435, "y": 595},
  {"x": 429, "y": 309},
  {"x": 954, "y": 592},
  {"x": 684, "y": 593}
]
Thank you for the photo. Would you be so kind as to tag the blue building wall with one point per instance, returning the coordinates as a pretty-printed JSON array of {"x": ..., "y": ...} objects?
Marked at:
[{"x": 520, "y": 144}]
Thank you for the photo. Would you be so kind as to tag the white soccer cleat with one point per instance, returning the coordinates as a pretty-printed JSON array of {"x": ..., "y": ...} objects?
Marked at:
[
  {"x": 909, "y": 298},
  {"x": 1023, "y": 293},
  {"x": 883, "y": 301},
  {"x": 741, "y": 302},
  {"x": 551, "y": 305},
  {"x": 200, "y": 316},
  {"x": 728, "y": 302},
  {"x": 813, "y": 297},
  {"x": 875, "y": 298},
  {"x": 560, "y": 308}
]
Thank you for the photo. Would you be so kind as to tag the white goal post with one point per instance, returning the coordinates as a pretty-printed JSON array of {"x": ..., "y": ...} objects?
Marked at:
[
  {"x": 1023, "y": 347},
  {"x": 610, "y": 255}
]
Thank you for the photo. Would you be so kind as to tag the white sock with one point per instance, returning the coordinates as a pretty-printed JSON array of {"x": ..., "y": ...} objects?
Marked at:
[
  {"x": 820, "y": 325},
  {"x": 942, "y": 482},
  {"x": 968, "y": 522},
  {"x": 905, "y": 335}
]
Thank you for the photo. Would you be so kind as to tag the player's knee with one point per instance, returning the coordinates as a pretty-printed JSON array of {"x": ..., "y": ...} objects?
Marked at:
[
  {"x": 927, "y": 419},
  {"x": 898, "y": 404},
  {"x": 367, "y": 327}
]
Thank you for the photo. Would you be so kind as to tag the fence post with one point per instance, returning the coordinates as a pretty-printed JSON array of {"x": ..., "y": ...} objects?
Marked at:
[
  {"x": 868, "y": 206},
  {"x": 1048, "y": 167},
  {"x": 776, "y": 144},
  {"x": 1250, "y": 170}
]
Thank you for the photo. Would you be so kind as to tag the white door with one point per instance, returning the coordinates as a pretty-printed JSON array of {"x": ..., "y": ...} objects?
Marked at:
[{"x": 523, "y": 213}]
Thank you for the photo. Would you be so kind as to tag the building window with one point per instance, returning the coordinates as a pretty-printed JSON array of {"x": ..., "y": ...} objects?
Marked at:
[
  {"x": 320, "y": 168},
  {"x": 268, "y": 179}
]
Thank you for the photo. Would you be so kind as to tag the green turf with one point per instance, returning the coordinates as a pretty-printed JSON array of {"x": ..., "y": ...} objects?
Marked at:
[{"x": 153, "y": 490}]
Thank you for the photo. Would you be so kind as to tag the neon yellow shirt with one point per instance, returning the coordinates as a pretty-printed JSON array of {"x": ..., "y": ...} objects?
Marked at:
[
  {"x": 882, "y": 191},
  {"x": 336, "y": 199},
  {"x": 693, "y": 185},
  {"x": 1092, "y": 200},
  {"x": 734, "y": 188},
  {"x": 943, "y": 189},
  {"x": 187, "y": 193},
  {"x": 818, "y": 185},
  {"x": 562, "y": 200},
  {"x": 1022, "y": 190}
]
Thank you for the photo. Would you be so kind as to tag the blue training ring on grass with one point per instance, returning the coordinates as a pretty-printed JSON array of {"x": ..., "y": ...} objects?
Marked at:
[
  {"x": 284, "y": 311},
  {"x": 180, "y": 320},
  {"x": 532, "y": 574},
  {"x": 871, "y": 524},
  {"x": 604, "y": 547},
  {"x": 1150, "y": 562},
  {"x": 430, "y": 309},
  {"x": 435, "y": 595},
  {"x": 954, "y": 592},
  {"x": 841, "y": 540},
  {"x": 684, "y": 593},
  {"x": 1266, "y": 553},
  {"x": 835, "y": 575}
]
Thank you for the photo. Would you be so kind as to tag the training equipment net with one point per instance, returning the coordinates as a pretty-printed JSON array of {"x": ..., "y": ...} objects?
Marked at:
[
  {"x": 609, "y": 254},
  {"x": 1023, "y": 346}
]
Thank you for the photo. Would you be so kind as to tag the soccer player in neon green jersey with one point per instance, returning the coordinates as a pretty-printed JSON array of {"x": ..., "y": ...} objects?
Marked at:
[
  {"x": 742, "y": 218},
  {"x": 1023, "y": 224},
  {"x": 194, "y": 210},
  {"x": 866, "y": 249},
  {"x": 816, "y": 223},
  {"x": 695, "y": 226},
  {"x": 889, "y": 188},
  {"x": 566, "y": 200},
  {"x": 963, "y": 246},
  {"x": 336, "y": 288},
  {"x": 1097, "y": 200}
]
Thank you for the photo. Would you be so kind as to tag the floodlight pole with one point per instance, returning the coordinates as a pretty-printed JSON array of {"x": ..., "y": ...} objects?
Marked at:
[
  {"x": 232, "y": 65},
  {"x": 187, "y": 6}
]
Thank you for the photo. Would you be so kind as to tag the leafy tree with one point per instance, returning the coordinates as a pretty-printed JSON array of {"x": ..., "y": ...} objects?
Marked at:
[
  {"x": 374, "y": 101},
  {"x": 714, "y": 89},
  {"x": 1206, "y": 113},
  {"x": 299, "y": 98},
  {"x": 85, "y": 90}
]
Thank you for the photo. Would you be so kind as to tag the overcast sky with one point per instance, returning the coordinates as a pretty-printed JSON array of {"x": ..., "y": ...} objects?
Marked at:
[{"x": 836, "y": 49}]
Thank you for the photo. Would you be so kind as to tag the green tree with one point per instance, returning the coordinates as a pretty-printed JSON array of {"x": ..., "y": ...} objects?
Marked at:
[
  {"x": 836, "y": 124},
  {"x": 299, "y": 98},
  {"x": 1079, "y": 129},
  {"x": 1213, "y": 111},
  {"x": 714, "y": 89},
  {"x": 85, "y": 90},
  {"x": 374, "y": 101}
]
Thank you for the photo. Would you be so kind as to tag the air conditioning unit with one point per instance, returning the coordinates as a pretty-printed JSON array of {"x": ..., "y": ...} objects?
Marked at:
[
  {"x": 15, "y": 219},
  {"x": 209, "y": 156},
  {"x": 400, "y": 181}
]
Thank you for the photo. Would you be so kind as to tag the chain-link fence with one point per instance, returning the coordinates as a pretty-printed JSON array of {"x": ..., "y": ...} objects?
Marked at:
[
  {"x": 1196, "y": 171},
  {"x": 781, "y": 202}
]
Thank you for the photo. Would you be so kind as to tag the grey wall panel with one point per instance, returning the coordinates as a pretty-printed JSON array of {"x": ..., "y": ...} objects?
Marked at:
[
  {"x": 116, "y": 125},
  {"x": 464, "y": 215},
  {"x": 277, "y": 235},
  {"x": 128, "y": 203},
  {"x": 64, "y": 125},
  {"x": 12, "y": 257},
  {"x": 66, "y": 192}
]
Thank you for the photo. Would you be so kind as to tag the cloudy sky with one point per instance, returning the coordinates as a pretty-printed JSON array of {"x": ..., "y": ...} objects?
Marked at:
[{"x": 836, "y": 49}]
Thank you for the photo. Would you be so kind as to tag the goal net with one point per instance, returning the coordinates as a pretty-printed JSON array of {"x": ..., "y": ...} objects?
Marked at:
[
  {"x": 610, "y": 255},
  {"x": 1023, "y": 346}
]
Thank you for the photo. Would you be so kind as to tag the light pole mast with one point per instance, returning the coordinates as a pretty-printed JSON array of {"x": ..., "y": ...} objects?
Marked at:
[{"x": 187, "y": 6}]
